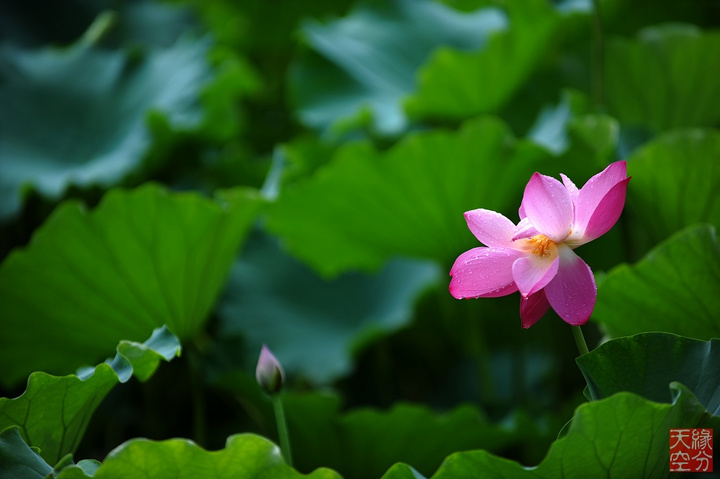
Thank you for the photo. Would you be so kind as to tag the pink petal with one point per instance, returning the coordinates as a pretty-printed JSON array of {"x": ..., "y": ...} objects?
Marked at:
[
  {"x": 532, "y": 273},
  {"x": 521, "y": 212},
  {"x": 524, "y": 229},
  {"x": 533, "y": 308},
  {"x": 570, "y": 186},
  {"x": 607, "y": 212},
  {"x": 483, "y": 272},
  {"x": 572, "y": 292},
  {"x": 490, "y": 228},
  {"x": 591, "y": 198},
  {"x": 548, "y": 206}
]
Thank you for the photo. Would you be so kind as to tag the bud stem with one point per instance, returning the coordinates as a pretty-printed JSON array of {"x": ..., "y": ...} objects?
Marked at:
[
  {"x": 579, "y": 340},
  {"x": 282, "y": 428}
]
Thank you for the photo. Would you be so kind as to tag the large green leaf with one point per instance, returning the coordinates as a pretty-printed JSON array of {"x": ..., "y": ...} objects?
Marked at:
[
  {"x": 312, "y": 325},
  {"x": 675, "y": 182},
  {"x": 459, "y": 84},
  {"x": 673, "y": 289},
  {"x": 619, "y": 437},
  {"x": 664, "y": 79},
  {"x": 53, "y": 412},
  {"x": 658, "y": 359},
  {"x": 17, "y": 460},
  {"x": 367, "y": 61},
  {"x": 141, "y": 259},
  {"x": 367, "y": 206},
  {"x": 244, "y": 456},
  {"x": 366, "y": 442},
  {"x": 79, "y": 115}
]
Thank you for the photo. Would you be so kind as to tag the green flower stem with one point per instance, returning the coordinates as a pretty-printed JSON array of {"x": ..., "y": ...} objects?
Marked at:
[
  {"x": 579, "y": 340},
  {"x": 282, "y": 428}
]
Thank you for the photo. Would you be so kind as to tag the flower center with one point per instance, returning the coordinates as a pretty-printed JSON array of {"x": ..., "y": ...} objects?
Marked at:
[{"x": 541, "y": 245}]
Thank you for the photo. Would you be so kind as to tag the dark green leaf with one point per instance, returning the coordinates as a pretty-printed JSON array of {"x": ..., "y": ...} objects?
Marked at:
[
  {"x": 89, "y": 466},
  {"x": 78, "y": 116},
  {"x": 17, "y": 460},
  {"x": 403, "y": 471},
  {"x": 619, "y": 437},
  {"x": 367, "y": 206},
  {"x": 659, "y": 359},
  {"x": 365, "y": 443},
  {"x": 141, "y": 259},
  {"x": 665, "y": 78},
  {"x": 314, "y": 326},
  {"x": 673, "y": 289},
  {"x": 367, "y": 61},
  {"x": 53, "y": 412},
  {"x": 458, "y": 85},
  {"x": 244, "y": 456},
  {"x": 675, "y": 182},
  {"x": 141, "y": 360}
]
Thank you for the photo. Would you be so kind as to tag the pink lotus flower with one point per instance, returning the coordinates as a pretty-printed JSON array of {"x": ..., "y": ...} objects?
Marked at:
[{"x": 536, "y": 257}]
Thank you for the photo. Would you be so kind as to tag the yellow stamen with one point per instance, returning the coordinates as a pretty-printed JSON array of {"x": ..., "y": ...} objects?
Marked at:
[{"x": 541, "y": 244}]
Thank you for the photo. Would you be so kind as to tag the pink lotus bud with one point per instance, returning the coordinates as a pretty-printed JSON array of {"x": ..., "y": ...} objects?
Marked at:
[{"x": 269, "y": 373}]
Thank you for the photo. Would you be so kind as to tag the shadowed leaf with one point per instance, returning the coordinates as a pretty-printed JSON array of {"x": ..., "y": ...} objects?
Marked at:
[
  {"x": 672, "y": 289},
  {"x": 366, "y": 206},
  {"x": 366, "y": 63},
  {"x": 53, "y": 412},
  {"x": 665, "y": 78},
  {"x": 659, "y": 359},
  {"x": 141, "y": 259},
  {"x": 79, "y": 115},
  {"x": 619, "y": 437}
]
